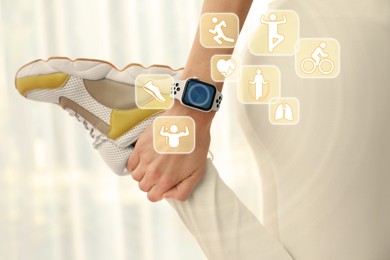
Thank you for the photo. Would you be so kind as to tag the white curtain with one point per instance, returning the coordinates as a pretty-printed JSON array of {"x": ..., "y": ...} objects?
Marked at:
[{"x": 58, "y": 200}]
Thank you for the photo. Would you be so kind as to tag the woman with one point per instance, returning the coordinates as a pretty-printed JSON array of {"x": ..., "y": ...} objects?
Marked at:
[{"x": 325, "y": 184}]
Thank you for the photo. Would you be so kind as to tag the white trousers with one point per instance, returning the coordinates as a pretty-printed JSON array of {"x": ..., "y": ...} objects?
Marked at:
[{"x": 223, "y": 226}]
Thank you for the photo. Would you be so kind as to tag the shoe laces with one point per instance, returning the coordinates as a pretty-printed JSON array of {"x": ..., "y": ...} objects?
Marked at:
[{"x": 96, "y": 135}]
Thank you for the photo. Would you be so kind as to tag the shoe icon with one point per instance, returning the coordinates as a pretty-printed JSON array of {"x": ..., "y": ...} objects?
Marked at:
[
  {"x": 97, "y": 94},
  {"x": 154, "y": 91}
]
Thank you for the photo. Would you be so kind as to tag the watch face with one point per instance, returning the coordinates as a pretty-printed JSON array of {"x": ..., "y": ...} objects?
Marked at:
[{"x": 199, "y": 94}]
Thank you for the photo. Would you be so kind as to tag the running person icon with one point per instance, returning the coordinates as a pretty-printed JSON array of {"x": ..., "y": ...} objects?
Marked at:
[
  {"x": 173, "y": 136},
  {"x": 219, "y": 32},
  {"x": 273, "y": 31}
]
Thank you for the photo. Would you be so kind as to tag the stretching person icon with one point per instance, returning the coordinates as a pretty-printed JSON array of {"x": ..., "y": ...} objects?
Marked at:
[
  {"x": 173, "y": 136},
  {"x": 273, "y": 31},
  {"x": 219, "y": 32}
]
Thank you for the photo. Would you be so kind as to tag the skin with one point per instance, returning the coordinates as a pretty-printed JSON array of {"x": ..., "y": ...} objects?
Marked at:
[{"x": 176, "y": 175}]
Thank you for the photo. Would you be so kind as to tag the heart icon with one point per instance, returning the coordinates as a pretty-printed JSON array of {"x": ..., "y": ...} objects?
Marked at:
[{"x": 226, "y": 67}]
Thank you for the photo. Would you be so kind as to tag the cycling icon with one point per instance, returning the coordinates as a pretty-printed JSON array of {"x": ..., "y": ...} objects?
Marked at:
[{"x": 318, "y": 60}]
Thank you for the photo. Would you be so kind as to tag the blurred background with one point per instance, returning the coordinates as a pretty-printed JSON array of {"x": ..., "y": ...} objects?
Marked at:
[{"x": 58, "y": 200}]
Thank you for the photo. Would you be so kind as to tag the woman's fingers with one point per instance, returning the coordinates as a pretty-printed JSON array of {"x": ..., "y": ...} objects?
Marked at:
[
  {"x": 156, "y": 185},
  {"x": 138, "y": 173},
  {"x": 183, "y": 190},
  {"x": 133, "y": 161}
]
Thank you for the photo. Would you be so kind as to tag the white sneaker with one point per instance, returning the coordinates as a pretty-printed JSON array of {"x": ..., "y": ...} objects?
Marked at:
[{"x": 97, "y": 94}]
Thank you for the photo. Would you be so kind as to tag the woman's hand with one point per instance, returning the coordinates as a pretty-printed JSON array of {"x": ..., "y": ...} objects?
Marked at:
[
  {"x": 171, "y": 175},
  {"x": 176, "y": 175}
]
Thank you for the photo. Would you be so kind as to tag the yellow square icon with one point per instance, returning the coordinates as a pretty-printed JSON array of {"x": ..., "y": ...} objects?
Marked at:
[
  {"x": 276, "y": 34},
  {"x": 153, "y": 91},
  {"x": 258, "y": 84},
  {"x": 318, "y": 58},
  {"x": 225, "y": 68},
  {"x": 219, "y": 30},
  {"x": 284, "y": 111},
  {"x": 174, "y": 134}
]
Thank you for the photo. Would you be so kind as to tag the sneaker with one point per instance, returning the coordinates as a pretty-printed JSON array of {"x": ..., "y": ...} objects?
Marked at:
[
  {"x": 97, "y": 94},
  {"x": 154, "y": 91}
]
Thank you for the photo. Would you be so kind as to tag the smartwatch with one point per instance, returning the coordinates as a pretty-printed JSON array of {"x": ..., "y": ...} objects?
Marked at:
[{"x": 197, "y": 94}]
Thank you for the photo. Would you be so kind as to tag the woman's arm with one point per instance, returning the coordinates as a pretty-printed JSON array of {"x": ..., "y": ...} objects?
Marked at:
[{"x": 176, "y": 175}]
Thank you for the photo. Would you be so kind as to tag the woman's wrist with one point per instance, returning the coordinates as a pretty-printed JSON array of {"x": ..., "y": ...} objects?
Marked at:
[
  {"x": 200, "y": 117},
  {"x": 203, "y": 76}
]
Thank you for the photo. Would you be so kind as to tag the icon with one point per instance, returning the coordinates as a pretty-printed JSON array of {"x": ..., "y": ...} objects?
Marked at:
[
  {"x": 319, "y": 61},
  {"x": 225, "y": 67},
  {"x": 277, "y": 34},
  {"x": 318, "y": 58},
  {"x": 259, "y": 84},
  {"x": 284, "y": 111},
  {"x": 219, "y": 30},
  {"x": 152, "y": 91},
  {"x": 273, "y": 30},
  {"x": 174, "y": 134}
]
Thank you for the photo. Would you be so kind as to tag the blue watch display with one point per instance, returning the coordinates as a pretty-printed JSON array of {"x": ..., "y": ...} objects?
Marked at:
[{"x": 197, "y": 94}]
